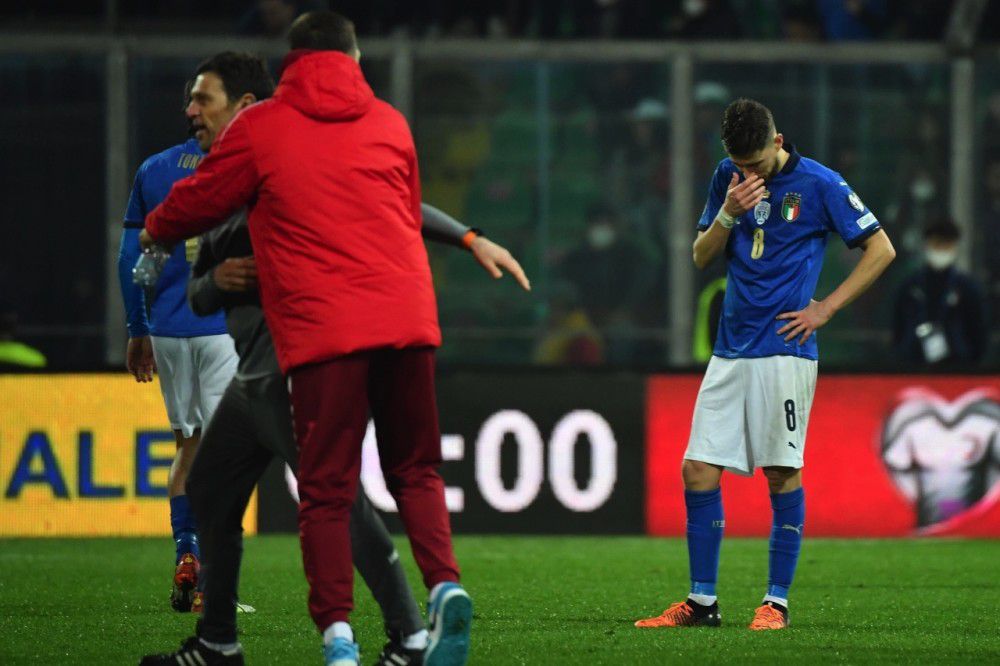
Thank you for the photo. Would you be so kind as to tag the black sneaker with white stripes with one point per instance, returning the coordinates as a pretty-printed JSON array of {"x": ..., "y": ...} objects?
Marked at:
[
  {"x": 394, "y": 654},
  {"x": 194, "y": 653}
]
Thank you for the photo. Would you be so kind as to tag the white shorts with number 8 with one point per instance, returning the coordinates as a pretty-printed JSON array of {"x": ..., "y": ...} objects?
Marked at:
[{"x": 753, "y": 412}]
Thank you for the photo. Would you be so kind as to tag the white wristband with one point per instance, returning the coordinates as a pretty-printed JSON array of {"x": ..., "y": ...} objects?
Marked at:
[{"x": 725, "y": 219}]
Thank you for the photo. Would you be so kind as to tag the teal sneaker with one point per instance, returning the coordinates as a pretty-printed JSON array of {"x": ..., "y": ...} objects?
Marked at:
[
  {"x": 449, "y": 619},
  {"x": 342, "y": 652}
]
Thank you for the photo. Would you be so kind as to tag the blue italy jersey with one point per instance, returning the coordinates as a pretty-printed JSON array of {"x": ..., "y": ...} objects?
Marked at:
[
  {"x": 775, "y": 252},
  {"x": 169, "y": 313}
]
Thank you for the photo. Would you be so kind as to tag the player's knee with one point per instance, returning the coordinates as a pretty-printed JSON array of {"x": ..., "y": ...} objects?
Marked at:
[
  {"x": 782, "y": 479},
  {"x": 699, "y": 475}
]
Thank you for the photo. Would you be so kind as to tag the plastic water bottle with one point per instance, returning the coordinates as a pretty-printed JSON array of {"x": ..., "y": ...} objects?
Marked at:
[{"x": 147, "y": 270}]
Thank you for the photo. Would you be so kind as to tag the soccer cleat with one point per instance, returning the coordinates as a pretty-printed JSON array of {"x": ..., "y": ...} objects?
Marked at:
[
  {"x": 684, "y": 614},
  {"x": 769, "y": 616},
  {"x": 342, "y": 652},
  {"x": 449, "y": 620},
  {"x": 185, "y": 583},
  {"x": 394, "y": 654},
  {"x": 194, "y": 652}
]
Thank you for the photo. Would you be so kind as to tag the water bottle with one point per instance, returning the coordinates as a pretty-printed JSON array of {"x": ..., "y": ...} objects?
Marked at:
[{"x": 147, "y": 270}]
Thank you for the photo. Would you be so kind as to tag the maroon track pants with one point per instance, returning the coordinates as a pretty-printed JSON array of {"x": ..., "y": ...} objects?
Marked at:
[{"x": 330, "y": 404}]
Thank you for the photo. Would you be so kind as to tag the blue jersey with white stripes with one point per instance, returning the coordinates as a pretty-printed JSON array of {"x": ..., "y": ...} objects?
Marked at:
[
  {"x": 775, "y": 252},
  {"x": 168, "y": 313}
]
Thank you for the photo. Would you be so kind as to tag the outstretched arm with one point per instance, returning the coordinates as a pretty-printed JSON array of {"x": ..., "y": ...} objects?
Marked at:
[
  {"x": 440, "y": 227},
  {"x": 878, "y": 254}
]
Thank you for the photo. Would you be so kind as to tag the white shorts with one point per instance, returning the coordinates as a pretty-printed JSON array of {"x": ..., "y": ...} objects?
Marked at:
[
  {"x": 194, "y": 373},
  {"x": 753, "y": 412}
]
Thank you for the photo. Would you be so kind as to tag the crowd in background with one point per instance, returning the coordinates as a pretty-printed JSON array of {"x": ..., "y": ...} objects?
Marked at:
[
  {"x": 585, "y": 206},
  {"x": 798, "y": 20}
]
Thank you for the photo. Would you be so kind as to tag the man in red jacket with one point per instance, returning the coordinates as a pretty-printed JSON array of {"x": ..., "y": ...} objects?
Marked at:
[{"x": 330, "y": 176}]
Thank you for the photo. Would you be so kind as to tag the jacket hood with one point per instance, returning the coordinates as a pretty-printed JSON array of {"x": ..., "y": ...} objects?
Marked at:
[{"x": 325, "y": 85}]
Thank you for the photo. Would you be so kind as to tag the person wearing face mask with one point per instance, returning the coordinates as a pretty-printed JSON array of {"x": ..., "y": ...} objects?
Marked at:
[
  {"x": 614, "y": 276},
  {"x": 939, "y": 316}
]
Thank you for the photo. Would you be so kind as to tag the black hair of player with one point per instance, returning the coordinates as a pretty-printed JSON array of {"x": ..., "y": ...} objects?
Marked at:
[
  {"x": 323, "y": 30},
  {"x": 942, "y": 229},
  {"x": 240, "y": 73},
  {"x": 747, "y": 127}
]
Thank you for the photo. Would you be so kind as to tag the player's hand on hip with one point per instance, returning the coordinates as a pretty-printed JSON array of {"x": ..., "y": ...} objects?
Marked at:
[
  {"x": 741, "y": 197},
  {"x": 496, "y": 258},
  {"x": 237, "y": 274},
  {"x": 804, "y": 322},
  {"x": 139, "y": 359},
  {"x": 145, "y": 240}
]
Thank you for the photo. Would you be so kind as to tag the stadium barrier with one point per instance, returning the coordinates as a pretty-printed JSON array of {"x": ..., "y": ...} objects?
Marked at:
[{"x": 537, "y": 452}]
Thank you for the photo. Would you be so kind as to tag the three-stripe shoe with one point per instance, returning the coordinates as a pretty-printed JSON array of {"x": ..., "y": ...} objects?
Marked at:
[
  {"x": 194, "y": 653},
  {"x": 449, "y": 620},
  {"x": 342, "y": 652},
  {"x": 394, "y": 654}
]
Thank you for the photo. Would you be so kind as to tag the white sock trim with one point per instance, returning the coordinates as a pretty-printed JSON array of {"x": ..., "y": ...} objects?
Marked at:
[
  {"x": 417, "y": 641},
  {"x": 338, "y": 630},
  {"x": 776, "y": 600},
  {"x": 703, "y": 599},
  {"x": 227, "y": 649}
]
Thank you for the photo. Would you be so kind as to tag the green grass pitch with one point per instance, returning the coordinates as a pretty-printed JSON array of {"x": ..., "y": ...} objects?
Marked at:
[{"x": 539, "y": 600}]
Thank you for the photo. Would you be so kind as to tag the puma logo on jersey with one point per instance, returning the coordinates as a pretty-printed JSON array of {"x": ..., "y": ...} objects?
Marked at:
[{"x": 792, "y": 445}]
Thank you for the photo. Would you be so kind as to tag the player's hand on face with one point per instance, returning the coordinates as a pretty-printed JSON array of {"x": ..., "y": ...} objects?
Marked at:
[
  {"x": 804, "y": 322},
  {"x": 741, "y": 197},
  {"x": 139, "y": 359},
  {"x": 237, "y": 274},
  {"x": 493, "y": 258}
]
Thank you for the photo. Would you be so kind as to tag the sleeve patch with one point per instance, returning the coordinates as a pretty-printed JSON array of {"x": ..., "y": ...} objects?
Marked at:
[
  {"x": 866, "y": 220},
  {"x": 855, "y": 202}
]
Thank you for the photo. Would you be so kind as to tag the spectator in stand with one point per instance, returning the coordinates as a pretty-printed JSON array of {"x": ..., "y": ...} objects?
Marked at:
[
  {"x": 990, "y": 224},
  {"x": 853, "y": 20},
  {"x": 705, "y": 20},
  {"x": 273, "y": 18},
  {"x": 613, "y": 279},
  {"x": 800, "y": 23},
  {"x": 939, "y": 315}
]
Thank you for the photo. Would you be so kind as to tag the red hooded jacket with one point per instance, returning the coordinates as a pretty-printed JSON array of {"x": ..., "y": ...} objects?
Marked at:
[{"x": 330, "y": 176}]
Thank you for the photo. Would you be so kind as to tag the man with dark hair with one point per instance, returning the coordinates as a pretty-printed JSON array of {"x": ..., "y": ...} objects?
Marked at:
[
  {"x": 346, "y": 289},
  {"x": 193, "y": 355},
  {"x": 939, "y": 315},
  {"x": 753, "y": 405},
  {"x": 323, "y": 31}
]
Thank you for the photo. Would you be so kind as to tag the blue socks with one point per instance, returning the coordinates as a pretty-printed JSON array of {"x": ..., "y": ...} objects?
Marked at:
[
  {"x": 704, "y": 539},
  {"x": 789, "y": 511},
  {"x": 182, "y": 523}
]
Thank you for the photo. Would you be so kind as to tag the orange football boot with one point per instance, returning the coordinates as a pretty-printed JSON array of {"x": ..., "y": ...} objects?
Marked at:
[
  {"x": 769, "y": 616},
  {"x": 684, "y": 614}
]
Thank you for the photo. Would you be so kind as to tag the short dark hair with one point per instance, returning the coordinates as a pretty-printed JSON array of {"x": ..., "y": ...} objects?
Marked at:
[
  {"x": 323, "y": 30},
  {"x": 942, "y": 228},
  {"x": 747, "y": 126},
  {"x": 240, "y": 73}
]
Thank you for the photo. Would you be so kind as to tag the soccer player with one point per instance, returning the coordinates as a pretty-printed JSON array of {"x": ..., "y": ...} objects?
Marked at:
[
  {"x": 347, "y": 293},
  {"x": 770, "y": 211},
  {"x": 194, "y": 356}
]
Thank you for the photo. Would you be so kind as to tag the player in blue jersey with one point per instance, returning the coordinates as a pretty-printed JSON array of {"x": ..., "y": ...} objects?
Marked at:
[
  {"x": 194, "y": 356},
  {"x": 770, "y": 211}
]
